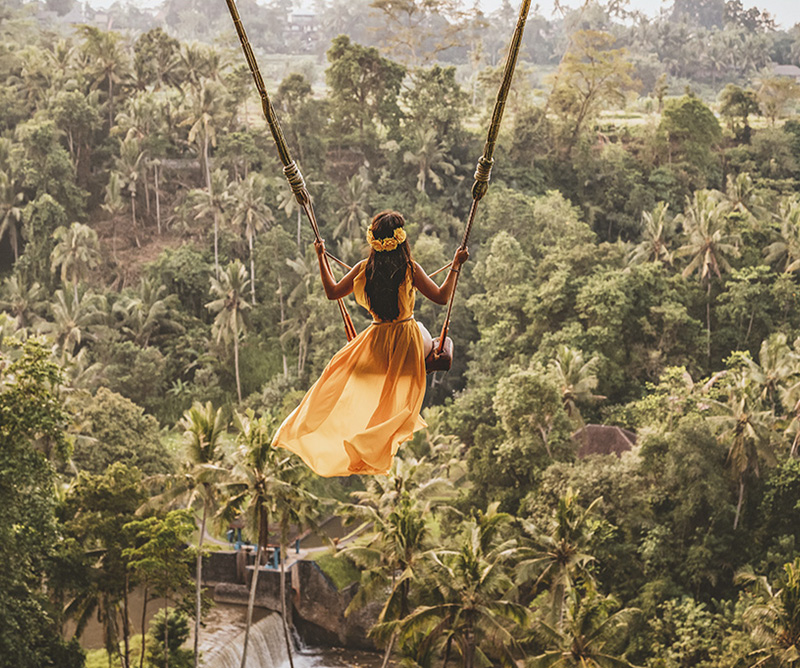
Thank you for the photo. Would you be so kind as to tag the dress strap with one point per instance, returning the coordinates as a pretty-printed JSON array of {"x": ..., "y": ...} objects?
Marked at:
[{"x": 391, "y": 322}]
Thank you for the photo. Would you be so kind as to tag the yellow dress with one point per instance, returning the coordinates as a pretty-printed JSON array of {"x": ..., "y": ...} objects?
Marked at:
[{"x": 367, "y": 400}]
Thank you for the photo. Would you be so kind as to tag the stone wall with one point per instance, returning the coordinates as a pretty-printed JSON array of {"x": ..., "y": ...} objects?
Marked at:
[{"x": 318, "y": 607}]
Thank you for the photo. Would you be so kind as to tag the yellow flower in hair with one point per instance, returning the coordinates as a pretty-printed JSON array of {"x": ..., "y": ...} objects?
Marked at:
[{"x": 388, "y": 244}]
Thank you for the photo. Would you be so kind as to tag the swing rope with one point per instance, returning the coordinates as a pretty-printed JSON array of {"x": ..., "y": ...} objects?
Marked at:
[
  {"x": 483, "y": 171},
  {"x": 290, "y": 169}
]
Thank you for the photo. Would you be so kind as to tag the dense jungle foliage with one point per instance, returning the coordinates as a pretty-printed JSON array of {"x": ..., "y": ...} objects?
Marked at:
[{"x": 634, "y": 265}]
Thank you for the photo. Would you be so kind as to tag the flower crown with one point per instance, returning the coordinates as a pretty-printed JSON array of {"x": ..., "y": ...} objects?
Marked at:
[{"x": 389, "y": 243}]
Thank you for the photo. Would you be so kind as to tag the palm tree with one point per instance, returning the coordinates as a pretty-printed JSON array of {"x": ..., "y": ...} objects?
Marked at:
[
  {"x": 295, "y": 507},
  {"x": 654, "y": 246},
  {"x": 786, "y": 250},
  {"x": 10, "y": 212},
  {"x": 428, "y": 156},
  {"x": 73, "y": 316},
  {"x": 129, "y": 167},
  {"x": 75, "y": 253},
  {"x": 206, "y": 107},
  {"x": 774, "y": 621},
  {"x": 576, "y": 379},
  {"x": 107, "y": 61},
  {"x": 25, "y": 301},
  {"x": 214, "y": 202},
  {"x": 251, "y": 214},
  {"x": 352, "y": 214},
  {"x": 230, "y": 307},
  {"x": 298, "y": 326},
  {"x": 740, "y": 195},
  {"x": 143, "y": 119},
  {"x": 469, "y": 586},
  {"x": 145, "y": 312},
  {"x": 587, "y": 638},
  {"x": 708, "y": 244},
  {"x": 114, "y": 205},
  {"x": 258, "y": 477},
  {"x": 287, "y": 202},
  {"x": 203, "y": 429},
  {"x": 745, "y": 428},
  {"x": 395, "y": 508},
  {"x": 777, "y": 364},
  {"x": 560, "y": 558}
]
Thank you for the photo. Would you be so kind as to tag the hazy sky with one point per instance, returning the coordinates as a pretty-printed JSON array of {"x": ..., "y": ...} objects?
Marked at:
[{"x": 785, "y": 12}]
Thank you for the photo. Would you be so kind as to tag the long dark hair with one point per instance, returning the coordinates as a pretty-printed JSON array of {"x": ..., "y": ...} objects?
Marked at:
[{"x": 387, "y": 269}]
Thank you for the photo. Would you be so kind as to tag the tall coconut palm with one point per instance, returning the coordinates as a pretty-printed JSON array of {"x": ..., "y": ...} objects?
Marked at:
[
  {"x": 107, "y": 61},
  {"x": 73, "y": 317},
  {"x": 143, "y": 313},
  {"x": 203, "y": 429},
  {"x": 258, "y": 476},
  {"x": 10, "y": 212},
  {"x": 774, "y": 620},
  {"x": 656, "y": 233},
  {"x": 708, "y": 244},
  {"x": 785, "y": 251},
  {"x": 207, "y": 105},
  {"x": 230, "y": 307},
  {"x": 428, "y": 156},
  {"x": 294, "y": 507},
  {"x": 287, "y": 202},
  {"x": 251, "y": 214},
  {"x": 772, "y": 374},
  {"x": 74, "y": 254},
  {"x": 214, "y": 202},
  {"x": 588, "y": 637},
  {"x": 576, "y": 379},
  {"x": 143, "y": 119},
  {"x": 744, "y": 426},
  {"x": 114, "y": 205},
  {"x": 23, "y": 300},
  {"x": 129, "y": 165},
  {"x": 353, "y": 212},
  {"x": 471, "y": 611},
  {"x": 559, "y": 558},
  {"x": 395, "y": 508}
]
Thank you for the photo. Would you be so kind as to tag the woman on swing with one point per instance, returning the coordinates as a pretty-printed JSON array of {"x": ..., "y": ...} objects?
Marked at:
[{"x": 367, "y": 401}]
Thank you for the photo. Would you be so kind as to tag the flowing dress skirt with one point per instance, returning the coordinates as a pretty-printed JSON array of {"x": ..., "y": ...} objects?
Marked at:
[{"x": 363, "y": 406}]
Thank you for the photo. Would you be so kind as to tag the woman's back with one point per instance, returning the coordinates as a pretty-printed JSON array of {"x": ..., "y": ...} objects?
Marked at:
[{"x": 405, "y": 295}]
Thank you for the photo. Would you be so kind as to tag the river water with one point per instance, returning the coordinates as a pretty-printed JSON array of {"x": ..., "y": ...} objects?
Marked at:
[{"x": 267, "y": 649}]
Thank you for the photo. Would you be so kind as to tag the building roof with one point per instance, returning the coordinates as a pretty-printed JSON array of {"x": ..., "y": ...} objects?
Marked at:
[
  {"x": 600, "y": 439},
  {"x": 786, "y": 70}
]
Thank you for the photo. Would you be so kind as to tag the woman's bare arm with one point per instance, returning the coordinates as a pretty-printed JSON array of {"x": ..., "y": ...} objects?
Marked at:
[
  {"x": 334, "y": 289},
  {"x": 440, "y": 294}
]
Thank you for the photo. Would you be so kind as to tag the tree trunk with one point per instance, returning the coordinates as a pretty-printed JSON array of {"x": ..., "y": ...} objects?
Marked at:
[
  {"x": 299, "y": 230},
  {"x": 126, "y": 624},
  {"x": 236, "y": 364},
  {"x": 708, "y": 323},
  {"x": 158, "y": 198},
  {"x": 133, "y": 220},
  {"x": 216, "y": 217},
  {"x": 252, "y": 271},
  {"x": 447, "y": 652},
  {"x": 251, "y": 602},
  {"x": 282, "y": 324},
  {"x": 739, "y": 503},
  {"x": 166, "y": 633},
  {"x": 198, "y": 587},
  {"x": 387, "y": 655},
  {"x": 283, "y": 605},
  {"x": 144, "y": 621}
]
